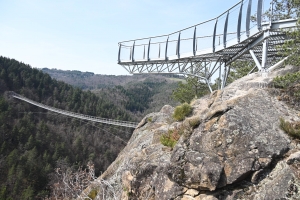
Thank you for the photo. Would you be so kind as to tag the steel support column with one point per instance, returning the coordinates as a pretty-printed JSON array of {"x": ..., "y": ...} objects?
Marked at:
[
  {"x": 224, "y": 76},
  {"x": 264, "y": 55},
  {"x": 258, "y": 65}
]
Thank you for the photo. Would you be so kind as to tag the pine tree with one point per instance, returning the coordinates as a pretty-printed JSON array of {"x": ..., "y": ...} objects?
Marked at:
[{"x": 193, "y": 88}]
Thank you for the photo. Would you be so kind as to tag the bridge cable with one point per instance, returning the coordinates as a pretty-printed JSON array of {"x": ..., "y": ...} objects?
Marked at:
[{"x": 86, "y": 123}]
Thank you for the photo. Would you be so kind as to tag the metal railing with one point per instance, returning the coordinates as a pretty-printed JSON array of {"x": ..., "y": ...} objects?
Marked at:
[
  {"x": 238, "y": 23},
  {"x": 220, "y": 36},
  {"x": 244, "y": 32}
]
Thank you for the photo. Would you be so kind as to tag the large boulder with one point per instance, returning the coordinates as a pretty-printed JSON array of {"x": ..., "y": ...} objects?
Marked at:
[
  {"x": 241, "y": 137},
  {"x": 236, "y": 150}
]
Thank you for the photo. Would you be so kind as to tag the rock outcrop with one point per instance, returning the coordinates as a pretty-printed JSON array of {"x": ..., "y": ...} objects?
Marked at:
[{"x": 236, "y": 150}]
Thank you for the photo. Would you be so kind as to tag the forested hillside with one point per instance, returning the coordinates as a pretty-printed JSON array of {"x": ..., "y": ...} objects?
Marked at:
[
  {"x": 136, "y": 95},
  {"x": 33, "y": 141},
  {"x": 91, "y": 81}
]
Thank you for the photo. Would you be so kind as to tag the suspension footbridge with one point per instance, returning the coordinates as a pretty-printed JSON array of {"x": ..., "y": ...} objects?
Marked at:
[
  {"x": 76, "y": 115},
  {"x": 205, "y": 50}
]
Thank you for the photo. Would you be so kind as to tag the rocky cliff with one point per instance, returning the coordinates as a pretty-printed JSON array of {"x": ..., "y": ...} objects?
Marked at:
[{"x": 231, "y": 147}]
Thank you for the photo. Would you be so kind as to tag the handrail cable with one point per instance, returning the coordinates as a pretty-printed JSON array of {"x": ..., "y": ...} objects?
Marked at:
[
  {"x": 76, "y": 115},
  {"x": 187, "y": 27}
]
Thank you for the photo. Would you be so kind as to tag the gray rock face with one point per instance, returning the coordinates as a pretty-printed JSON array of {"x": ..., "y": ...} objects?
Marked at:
[
  {"x": 236, "y": 151},
  {"x": 295, "y": 157},
  {"x": 231, "y": 145},
  {"x": 276, "y": 185}
]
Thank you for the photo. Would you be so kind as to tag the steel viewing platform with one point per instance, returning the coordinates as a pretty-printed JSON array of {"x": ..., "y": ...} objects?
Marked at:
[{"x": 242, "y": 32}]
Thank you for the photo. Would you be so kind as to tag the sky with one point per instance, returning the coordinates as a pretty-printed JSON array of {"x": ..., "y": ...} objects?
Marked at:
[{"x": 84, "y": 35}]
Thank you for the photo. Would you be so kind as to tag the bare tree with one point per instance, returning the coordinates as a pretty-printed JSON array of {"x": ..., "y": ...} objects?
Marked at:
[{"x": 69, "y": 184}]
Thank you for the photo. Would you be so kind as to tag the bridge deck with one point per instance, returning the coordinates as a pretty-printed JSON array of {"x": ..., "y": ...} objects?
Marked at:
[{"x": 76, "y": 115}]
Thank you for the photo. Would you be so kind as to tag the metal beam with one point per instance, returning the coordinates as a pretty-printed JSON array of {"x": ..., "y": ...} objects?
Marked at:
[
  {"x": 132, "y": 57},
  {"x": 278, "y": 64},
  {"x": 224, "y": 77},
  {"x": 281, "y": 24},
  {"x": 214, "y": 36},
  {"x": 259, "y": 14},
  {"x": 248, "y": 18},
  {"x": 225, "y": 30},
  {"x": 148, "y": 53},
  {"x": 259, "y": 38},
  {"x": 194, "y": 41},
  {"x": 159, "y": 50},
  {"x": 119, "y": 54},
  {"x": 264, "y": 54},
  {"x": 239, "y": 24},
  {"x": 166, "y": 50},
  {"x": 258, "y": 65},
  {"x": 178, "y": 46}
]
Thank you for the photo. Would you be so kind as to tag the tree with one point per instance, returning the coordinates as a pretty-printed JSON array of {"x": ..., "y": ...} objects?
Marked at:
[
  {"x": 239, "y": 69},
  {"x": 28, "y": 193},
  {"x": 67, "y": 183},
  {"x": 193, "y": 88},
  {"x": 281, "y": 9},
  {"x": 3, "y": 192},
  {"x": 29, "y": 141},
  {"x": 291, "y": 48}
]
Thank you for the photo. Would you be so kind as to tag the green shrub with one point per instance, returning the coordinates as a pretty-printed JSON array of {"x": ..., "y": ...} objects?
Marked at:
[
  {"x": 293, "y": 129},
  {"x": 286, "y": 80},
  {"x": 170, "y": 139},
  {"x": 93, "y": 193},
  {"x": 182, "y": 111},
  {"x": 167, "y": 140}
]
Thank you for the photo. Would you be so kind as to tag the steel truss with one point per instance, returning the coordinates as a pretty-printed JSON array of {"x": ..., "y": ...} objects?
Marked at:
[{"x": 262, "y": 47}]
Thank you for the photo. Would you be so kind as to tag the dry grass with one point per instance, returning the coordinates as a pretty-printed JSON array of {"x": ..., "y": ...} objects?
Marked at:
[{"x": 292, "y": 129}]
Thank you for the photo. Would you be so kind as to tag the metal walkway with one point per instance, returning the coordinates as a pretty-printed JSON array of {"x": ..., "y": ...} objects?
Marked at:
[
  {"x": 207, "y": 49},
  {"x": 76, "y": 115}
]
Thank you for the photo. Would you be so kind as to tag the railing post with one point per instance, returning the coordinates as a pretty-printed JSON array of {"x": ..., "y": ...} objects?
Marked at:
[
  {"x": 214, "y": 36},
  {"x": 159, "y": 51},
  {"x": 272, "y": 11},
  {"x": 194, "y": 41},
  {"x": 166, "y": 50},
  {"x": 225, "y": 31},
  {"x": 248, "y": 18},
  {"x": 224, "y": 77},
  {"x": 119, "y": 54},
  {"x": 148, "y": 53},
  {"x": 259, "y": 13},
  {"x": 196, "y": 44},
  {"x": 239, "y": 24},
  {"x": 132, "y": 58},
  {"x": 178, "y": 46},
  {"x": 264, "y": 54},
  {"x": 144, "y": 53}
]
